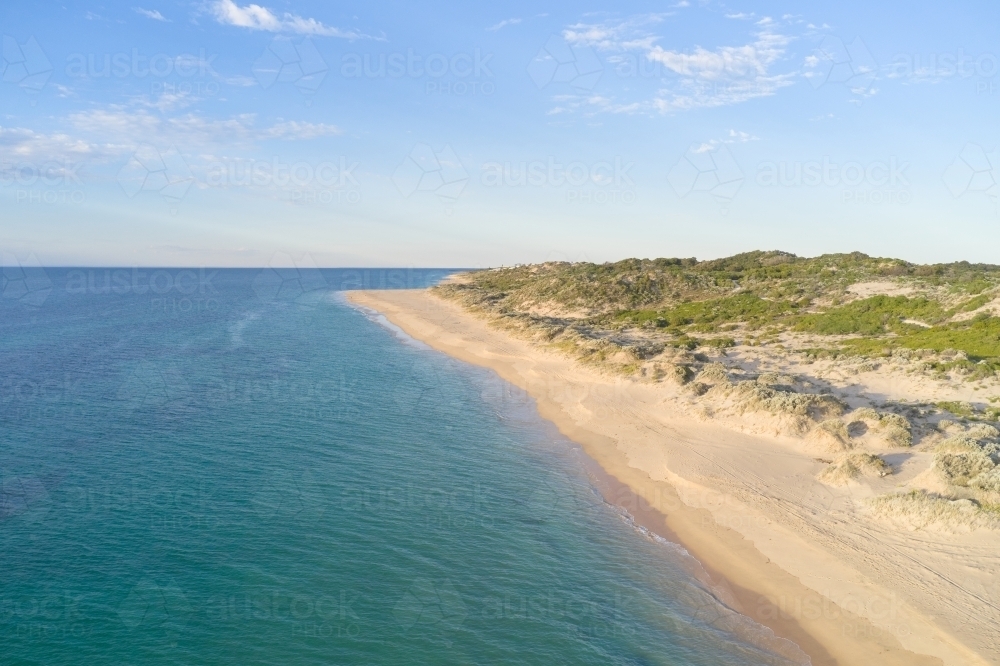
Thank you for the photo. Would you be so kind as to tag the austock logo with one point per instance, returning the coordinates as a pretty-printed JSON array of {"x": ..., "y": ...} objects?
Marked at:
[
  {"x": 436, "y": 172},
  {"x": 288, "y": 495},
  {"x": 149, "y": 170},
  {"x": 24, "y": 281},
  {"x": 430, "y": 606},
  {"x": 707, "y": 168},
  {"x": 51, "y": 182},
  {"x": 285, "y": 61},
  {"x": 875, "y": 182},
  {"x": 23, "y": 497},
  {"x": 413, "y": 384},
  {"x": 974, "y": 170},
  {"x": 24, "y": 65},
  {"x": 155, "y": 606},
  {"x": 458, "y": 74},
  {"x": 554, "y": 494},
  {"x": 286, "y": 280},
  {"x": 152, "y": 385},
  {"x": 834, "y": 62},
  {"x": 561, "y": 62}
]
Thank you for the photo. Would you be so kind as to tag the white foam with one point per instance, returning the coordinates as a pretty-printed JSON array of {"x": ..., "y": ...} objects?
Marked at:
[{"x": 380, "y": 319}]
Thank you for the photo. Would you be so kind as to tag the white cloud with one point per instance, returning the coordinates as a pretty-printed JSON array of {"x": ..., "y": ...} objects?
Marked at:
[
  {"x": 641, "y": 44},
  {"x": 296, "y": 130},
  {"x": 751, "y": 60},
  {"x": 592, "y": 105},
  {"x": 151, "y": 13},
  {"x": 63, "y": 91},
  {"x": 701, "y": 63},
  {"x": 617, "y": 35},
  {"x": 691, "y": 79},
  {"x": 734, "y": 136},
  {"x": 241, "y": 81},
  {"x": 101, "y": 139},
  {"x": 21, "y": 146},
  {"x": 98, "y": 135},
  {"x": 592, "y": 35},
  {"x": 503, "y": 24},
  {"x": 254, "y": 17},
  {"x": 258, "y": 17},
  {"x": 190, "y": 131},
  {"x": 167, "y": 101},
  {"x": 723, "y": 76},
  {"x": 127, "y": 125}
]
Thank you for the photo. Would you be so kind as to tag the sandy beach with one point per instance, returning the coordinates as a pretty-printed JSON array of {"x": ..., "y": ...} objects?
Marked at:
[{"x": 798, "y": 556}]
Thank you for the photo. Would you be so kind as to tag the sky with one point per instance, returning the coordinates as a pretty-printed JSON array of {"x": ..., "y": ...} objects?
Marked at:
[{"x": 225, "y": 133}]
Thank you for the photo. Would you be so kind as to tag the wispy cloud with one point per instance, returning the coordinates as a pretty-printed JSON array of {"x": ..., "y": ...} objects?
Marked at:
[
  {"x": 63, "y": 91},
  {"x": 104, "y": 134},
  {"x": 299, "y": 131},
  {"x": 258, "y": 17},
  {"x": 192, "y": 131},
  {"x": 690, "y": 79},
  {"x": 725, "y": 75},
  {"x": 615, "y": 35},
  {"x": 151, "y": 13},
  {"x": 100, "y": 141},
  {"x": 167, "y": 101},
  {"x": 241, "y": 81},
  {"x": 736, "y": 136},
  {"x": 910, "y": 70},
  {"x": 57, "y": 154},
  {"x": 725, "y": 62},
  {"x": 503, "y": 24}
]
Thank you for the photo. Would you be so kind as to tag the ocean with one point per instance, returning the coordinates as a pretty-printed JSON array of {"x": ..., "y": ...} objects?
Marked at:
[{"x": 238, "y": 467}]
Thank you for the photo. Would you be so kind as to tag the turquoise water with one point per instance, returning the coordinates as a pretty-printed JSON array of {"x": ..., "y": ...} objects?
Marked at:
[{"x": 238, "y": 467}]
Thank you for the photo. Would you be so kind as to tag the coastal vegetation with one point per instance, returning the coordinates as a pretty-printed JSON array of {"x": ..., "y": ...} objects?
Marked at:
[
  {"x": 828, "y": 306},
  {"x": 711, "y": 329}
]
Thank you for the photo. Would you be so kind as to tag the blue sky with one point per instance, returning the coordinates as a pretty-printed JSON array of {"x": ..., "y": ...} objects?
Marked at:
[{"x": 226, "y": 133}]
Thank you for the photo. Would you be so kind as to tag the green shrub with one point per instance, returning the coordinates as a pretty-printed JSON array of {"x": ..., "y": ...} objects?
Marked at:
[
  {"x": 872, "y": 316},
  {"x": 710, "y": 314},
  {"x": 963, "y": 409}
]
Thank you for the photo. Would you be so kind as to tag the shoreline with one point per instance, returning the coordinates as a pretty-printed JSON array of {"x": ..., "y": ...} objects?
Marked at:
[{"x": 728, "y": 538}]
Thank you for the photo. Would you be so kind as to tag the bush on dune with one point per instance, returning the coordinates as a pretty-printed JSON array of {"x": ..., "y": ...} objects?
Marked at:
[
  {"x": 918, "y": 509},
  {"x": 852, "y": 466}
]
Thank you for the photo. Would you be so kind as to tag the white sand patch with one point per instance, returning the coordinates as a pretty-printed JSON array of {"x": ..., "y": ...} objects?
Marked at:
[{"x": 869, "y": 289}]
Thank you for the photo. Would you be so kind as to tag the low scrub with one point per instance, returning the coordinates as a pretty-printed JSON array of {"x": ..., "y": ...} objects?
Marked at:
[
  {"x": 853, "y": 466},
  {"x": 708, "y": 315},
  {"x": 873, "y": 316},
  {"x": 919, "y": 510}
]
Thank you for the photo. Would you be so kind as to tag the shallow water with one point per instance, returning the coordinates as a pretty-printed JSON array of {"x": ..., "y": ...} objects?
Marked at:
[{"x": 252, "y": 471}]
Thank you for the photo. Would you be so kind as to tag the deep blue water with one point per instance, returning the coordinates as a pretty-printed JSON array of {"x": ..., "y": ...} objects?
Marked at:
[{"x": 238, "y": 467}]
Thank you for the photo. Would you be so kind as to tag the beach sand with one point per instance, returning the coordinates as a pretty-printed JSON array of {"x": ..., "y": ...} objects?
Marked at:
[{"x": 795, "y": 555}]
